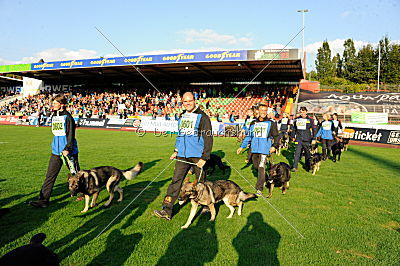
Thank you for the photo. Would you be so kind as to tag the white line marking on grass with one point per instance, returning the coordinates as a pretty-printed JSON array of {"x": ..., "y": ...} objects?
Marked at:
[
  {"x": 272, "y": 206},
  {"x": 3, "y": 142},
  {"x": 105, "y": 228}
]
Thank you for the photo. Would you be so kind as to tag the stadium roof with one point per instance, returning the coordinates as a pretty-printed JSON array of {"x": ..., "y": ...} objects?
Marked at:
[{"x": 280, "y": 65}]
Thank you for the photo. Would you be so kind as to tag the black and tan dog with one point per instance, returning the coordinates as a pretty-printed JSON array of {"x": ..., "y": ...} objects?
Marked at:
[
  {"x": 337, "y": 150},
  {"x": 346, "y": 142},
  {"x": 209, "y": 193},
  {"x": 314, "y": 162},
  {"x": 283, "y": 143},
  {"x": 210, "y": 164},
  {"x": 278, "y": 176},
  {"x": 314, "y": 148},
  {"x": 90, "y": 182}
]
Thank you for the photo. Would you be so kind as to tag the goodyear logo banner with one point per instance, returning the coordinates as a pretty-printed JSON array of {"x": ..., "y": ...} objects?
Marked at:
[{"x": 145, "y": 59}]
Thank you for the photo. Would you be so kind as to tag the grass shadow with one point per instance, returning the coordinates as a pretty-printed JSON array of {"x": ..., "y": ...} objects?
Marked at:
[
  {"x": 113, "y": 256},
  {"x": 394, "y": 166},
  {"x": 257, "y": 243},
  {"x": 12, "y": 230},
  {"x": 87, "y": 232},
  {"x": 196, "y": 245}
]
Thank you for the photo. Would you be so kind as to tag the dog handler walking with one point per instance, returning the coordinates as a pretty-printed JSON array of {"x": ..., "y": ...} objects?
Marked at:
[
  {"x": 326, "y": 131},
  {"x": 193, "y": 144},
  {"x": 64, "y": 144},
  {"x": 261, "y": 132},
  {"x": 303, "y": 134}
]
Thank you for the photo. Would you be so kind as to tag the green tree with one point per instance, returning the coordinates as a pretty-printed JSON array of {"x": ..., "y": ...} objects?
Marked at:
[
  {"x": 349, "y": 58},
  {"x": 323, "y": 64},
  {"x": 337, "y": 64},
  {"x": 385, "y": 70},
  {"x": 365, "y": 65},
  {"x": 394, "y": 64}
]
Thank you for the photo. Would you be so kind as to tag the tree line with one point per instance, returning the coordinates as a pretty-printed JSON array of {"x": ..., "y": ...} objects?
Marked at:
[{"x": 360, "y": 67}]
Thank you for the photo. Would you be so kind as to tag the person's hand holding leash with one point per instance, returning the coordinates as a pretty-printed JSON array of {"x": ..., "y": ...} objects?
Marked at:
[
  {"x": 239, "y": 151},
  {"x": 173, "y": 156},
  {"x": 65, "y": 153},
  {"x": 313, "y": 142},
  {"x": 201, "y": 163},
  {"x": 272, "y": 150}
]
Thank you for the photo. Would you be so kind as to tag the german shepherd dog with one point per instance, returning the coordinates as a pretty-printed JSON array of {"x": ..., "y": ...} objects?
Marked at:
[
  {"x": 90, "y": 182},
  {"x": 278, "y": 176},
  {"x": 346, "y": 143},
  {"x": 315, "y": 162},
  {"x": 314, "y": 148},
  {"x": 283, "y": 143},
  {"x": 209, "y": 166},
  {"x": 209, "y": 193},
  {"x": 337, "y": 150}
]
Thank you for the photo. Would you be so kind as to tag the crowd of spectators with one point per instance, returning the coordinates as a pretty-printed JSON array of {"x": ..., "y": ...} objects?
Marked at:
[{"x": 121, "y": 102}]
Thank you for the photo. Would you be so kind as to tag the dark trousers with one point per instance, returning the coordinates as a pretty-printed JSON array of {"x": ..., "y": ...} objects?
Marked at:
[
  {"x": 55, "y": 164},
  {"x": 180, "y": 172},
  {"x": 249, "y": 154},
  {"x": 259, "y": 162},
  {"x": 326, "y": 145},
  {"x": 301, "y": 145}
]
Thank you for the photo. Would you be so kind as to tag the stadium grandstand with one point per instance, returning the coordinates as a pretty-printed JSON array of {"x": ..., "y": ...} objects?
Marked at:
[{"x": 116, "y": 87}]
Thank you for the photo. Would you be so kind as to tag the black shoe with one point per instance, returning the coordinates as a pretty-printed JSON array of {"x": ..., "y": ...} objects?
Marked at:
[
  {"x": 39, "y": 204},
  {"x": 162, "y": 214},
  {"x": 293, "y": 169}
]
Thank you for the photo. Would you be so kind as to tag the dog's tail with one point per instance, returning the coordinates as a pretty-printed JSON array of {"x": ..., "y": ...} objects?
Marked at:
[
  {"x": 133, "y": 171},
  {"x": 243, "y": 196}
]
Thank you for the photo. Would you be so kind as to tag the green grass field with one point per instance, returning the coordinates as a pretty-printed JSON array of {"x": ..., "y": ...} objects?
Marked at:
[{"x": 348, "y": 213}]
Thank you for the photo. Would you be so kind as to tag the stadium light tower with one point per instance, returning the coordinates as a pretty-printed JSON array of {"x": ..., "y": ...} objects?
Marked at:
[{"x": 302, "y": 47}]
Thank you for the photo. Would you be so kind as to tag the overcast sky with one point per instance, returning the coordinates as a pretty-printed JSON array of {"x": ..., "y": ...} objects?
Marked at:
[{"x": 63, "y": 30}]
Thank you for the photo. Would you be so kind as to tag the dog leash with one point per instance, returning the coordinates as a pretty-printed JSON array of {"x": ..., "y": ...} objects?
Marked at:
[
  {"x": 69, "y": 162},
  {"x": 201, "y": 169}
]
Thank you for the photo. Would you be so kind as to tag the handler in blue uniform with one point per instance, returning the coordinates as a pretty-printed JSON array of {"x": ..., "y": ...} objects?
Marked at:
[
  {"x": 245, "y": 130},
  {"x": 326, "y": 130},
  {"x": 64, "y": 144},
  {"x": 193, "y": 144},
  {"x": 260, "y": 133}
]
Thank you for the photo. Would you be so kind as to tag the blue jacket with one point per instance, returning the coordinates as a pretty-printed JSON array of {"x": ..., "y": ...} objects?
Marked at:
[
  {"x": 260, "y": 134},
  {"x": 246, "y": 125},
  {"x": 326, "y": 130},
  {"x": 195, "y": 137},
  {"x": 63, "y": 129}
]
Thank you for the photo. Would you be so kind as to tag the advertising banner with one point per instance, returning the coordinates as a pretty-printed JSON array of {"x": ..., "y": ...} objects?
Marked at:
[
  {"x": 372, "y": 135},
  {"x": 92, "y": 122},
  {"x": 145, "y": 60},
  {"x": 159, "y": 125},
  {"x": 15, "y": 68},
  {"x": 275, "y": 54},
  {"x": 115, "y": 123},
  {"x": 370, "y": 118},
  {"x": 347, "y": 103},
  {"x": 9, "y": 119},
  {"x": 11, "y": 89}
]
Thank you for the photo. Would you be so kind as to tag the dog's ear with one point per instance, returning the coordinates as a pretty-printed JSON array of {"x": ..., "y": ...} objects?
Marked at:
[{"x": 69, "y": 176}]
